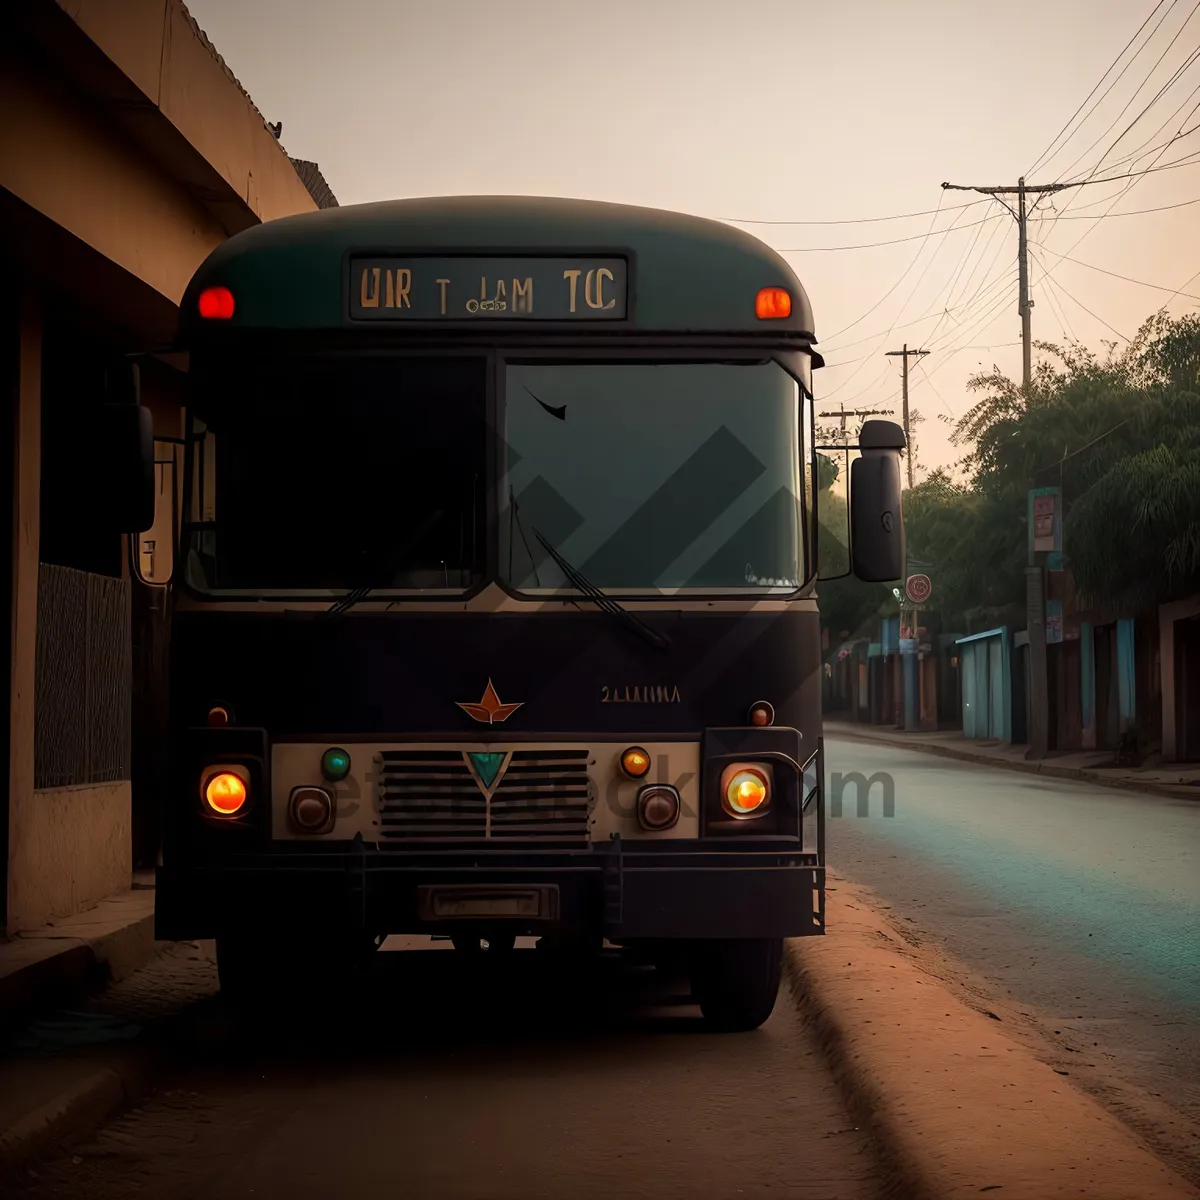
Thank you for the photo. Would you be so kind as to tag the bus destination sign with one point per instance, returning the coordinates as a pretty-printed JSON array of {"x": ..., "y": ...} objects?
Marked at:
[{"x": 465, "y": 289}]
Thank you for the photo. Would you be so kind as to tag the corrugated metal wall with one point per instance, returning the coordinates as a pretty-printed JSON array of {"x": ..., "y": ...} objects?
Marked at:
[{"x": 82, "y": 718}]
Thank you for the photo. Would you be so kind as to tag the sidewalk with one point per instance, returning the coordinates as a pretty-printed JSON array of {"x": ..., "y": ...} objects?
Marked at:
[
  {"x": 81, "y": 1004},
  {"x": 1180, "y": 780},
  {"x": 957, "y": 1103}
]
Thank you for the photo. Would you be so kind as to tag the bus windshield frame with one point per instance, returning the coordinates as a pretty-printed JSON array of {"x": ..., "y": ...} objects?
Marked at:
[{"x": 493, "y": 508}]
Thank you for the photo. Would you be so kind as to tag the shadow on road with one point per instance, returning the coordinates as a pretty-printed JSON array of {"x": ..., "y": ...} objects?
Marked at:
[{"x": 414, "y": 1003}]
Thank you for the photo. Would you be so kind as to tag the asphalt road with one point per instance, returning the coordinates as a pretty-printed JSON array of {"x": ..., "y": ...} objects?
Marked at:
[
  {"x": 1075, "y": 908},
  {"x": 451, "y": 1081}
]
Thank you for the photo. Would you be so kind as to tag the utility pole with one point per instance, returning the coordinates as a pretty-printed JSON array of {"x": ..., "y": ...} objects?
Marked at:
[
  {"x": 1035, "y": 601},
  {"x": 904, "y": 355},
  {"x": 1024, "y": 303},
  {"x": 844, "y": 412}
]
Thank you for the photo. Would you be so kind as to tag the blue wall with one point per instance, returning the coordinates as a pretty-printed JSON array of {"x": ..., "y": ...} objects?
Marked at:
[{"x": 985, "y": 665}]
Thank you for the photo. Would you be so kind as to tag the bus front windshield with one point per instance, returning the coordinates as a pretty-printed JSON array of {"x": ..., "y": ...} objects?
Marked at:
[
  {"x": 326, "y": 474},
  {"x": 653, "y": 477}
]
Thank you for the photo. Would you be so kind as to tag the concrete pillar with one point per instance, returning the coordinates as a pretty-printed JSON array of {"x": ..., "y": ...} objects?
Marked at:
[{"x": 27, "y": 463}]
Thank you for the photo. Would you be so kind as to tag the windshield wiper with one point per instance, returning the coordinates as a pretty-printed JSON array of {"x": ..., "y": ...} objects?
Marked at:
[
  {"x": 605, "y": 603},
  {"x": 359, "y": 594}
]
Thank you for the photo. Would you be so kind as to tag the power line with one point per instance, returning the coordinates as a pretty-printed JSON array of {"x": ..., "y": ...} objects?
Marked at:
[
  {"x": 1131, "y": 99},
  {"x": 1075, "y": 300},
  {"x": 1188, "y": 283},
  {"x": 855, "y": 220},
  {"x": 1135, "y": 212},
  {"x": 1126, "y": 278},
  {"x": 1123, "y": 192},
  {"x": 1042, "y": 157},
  {"x": 916, "y": 237},
  {"x": 984, "y": 286},
  {"x": 1055, "y": 304},
  {"x": 916, "y": 258}
]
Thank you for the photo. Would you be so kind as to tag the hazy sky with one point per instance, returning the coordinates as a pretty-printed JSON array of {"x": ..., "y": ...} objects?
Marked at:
[{"x": 784, "y": 111}]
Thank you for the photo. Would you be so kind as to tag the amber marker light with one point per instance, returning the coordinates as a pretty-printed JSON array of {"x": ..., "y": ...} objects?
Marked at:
[
  {"x": 772, "y": 304},
  {"x": 635, "y": 762},
  {"x": 215, "y": 304},
  {"x": 744, "y": 791},
  {"x": 761, "y": 713},
  {"x": 225, "y": 793},
  {"x": 218, "y": 716}
]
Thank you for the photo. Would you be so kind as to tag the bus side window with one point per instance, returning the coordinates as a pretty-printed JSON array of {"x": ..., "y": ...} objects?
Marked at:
[
  {"x": 204, "y": 476},
  {"x": 155, "y": 558}
]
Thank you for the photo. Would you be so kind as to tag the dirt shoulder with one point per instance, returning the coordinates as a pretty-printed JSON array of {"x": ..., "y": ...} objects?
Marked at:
[{"x": 957, "y": 1095}]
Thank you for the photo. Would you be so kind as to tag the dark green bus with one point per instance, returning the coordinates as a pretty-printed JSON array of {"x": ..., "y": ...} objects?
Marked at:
[{"x": 493, "y": 604}]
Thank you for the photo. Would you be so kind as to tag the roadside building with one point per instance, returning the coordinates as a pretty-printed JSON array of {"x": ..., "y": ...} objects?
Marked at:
[{"x": 128, "y": 151}]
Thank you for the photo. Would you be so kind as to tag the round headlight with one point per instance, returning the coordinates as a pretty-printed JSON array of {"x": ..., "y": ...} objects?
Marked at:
[
  {"x": 226, "y": 793},
  {"x": 311, "y": 809},
  {"x": 635, "y": 762},
  {"x": 746, "y": 792},
  {"x": 658, "y": 807}
]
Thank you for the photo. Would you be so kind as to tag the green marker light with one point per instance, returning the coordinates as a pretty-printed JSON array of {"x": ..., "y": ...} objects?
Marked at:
[{"x": 335, "y": 764}]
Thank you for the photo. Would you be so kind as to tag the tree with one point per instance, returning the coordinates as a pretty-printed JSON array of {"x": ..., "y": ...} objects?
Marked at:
[{"x": 1119, "y": 436}]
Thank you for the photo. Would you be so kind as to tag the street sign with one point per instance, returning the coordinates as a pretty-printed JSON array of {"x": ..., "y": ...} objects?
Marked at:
[{"x": 918, "y": 588}]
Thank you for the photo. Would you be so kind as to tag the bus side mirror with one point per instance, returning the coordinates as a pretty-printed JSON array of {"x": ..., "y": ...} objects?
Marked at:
[
  {"x": 876, "y": 519},
  {"x": 125, "y": 487}
]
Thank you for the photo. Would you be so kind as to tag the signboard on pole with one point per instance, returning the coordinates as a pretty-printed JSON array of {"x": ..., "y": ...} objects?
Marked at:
[
  {"x": 918, "y": 588},
  {"x": 1045, "y": 520}
]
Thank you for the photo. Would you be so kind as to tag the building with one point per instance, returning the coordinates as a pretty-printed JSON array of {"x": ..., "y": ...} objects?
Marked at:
[{"x": 128, "y": 151}]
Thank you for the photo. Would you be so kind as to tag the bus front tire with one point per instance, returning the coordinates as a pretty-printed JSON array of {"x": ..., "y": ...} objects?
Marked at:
[{"x": 736, "y": 983}]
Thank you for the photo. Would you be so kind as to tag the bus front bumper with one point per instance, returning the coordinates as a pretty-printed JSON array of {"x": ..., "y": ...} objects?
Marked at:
[{"x": 623, "y": 894}]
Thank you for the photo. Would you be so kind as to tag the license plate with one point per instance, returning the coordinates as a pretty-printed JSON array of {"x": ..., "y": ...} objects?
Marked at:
[{"x": 456, "y": 903}]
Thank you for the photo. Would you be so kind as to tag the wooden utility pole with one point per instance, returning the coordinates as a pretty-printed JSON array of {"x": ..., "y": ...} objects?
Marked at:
[
  {"x": 904, "y": 355},
  {"x": 1024, "y": 303},
  {"x": 1035, "y": 602},
  {"x": 844, "y": 412}
]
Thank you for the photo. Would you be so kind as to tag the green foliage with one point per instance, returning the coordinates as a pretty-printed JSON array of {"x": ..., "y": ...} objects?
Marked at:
[{"x": 1120, "y": 437}]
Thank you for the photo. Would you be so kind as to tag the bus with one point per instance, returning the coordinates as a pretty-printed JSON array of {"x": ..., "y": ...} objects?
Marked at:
[{"x": 493, "y": 607}]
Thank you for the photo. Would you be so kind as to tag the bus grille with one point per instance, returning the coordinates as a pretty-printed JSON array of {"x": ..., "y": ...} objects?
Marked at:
[{"x": 543, "y": 798}]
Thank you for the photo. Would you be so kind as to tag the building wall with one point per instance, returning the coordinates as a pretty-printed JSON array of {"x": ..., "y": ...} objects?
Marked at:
[
  {"x": 1168, "y": 614},
  {"x": 128, "y": 151}
]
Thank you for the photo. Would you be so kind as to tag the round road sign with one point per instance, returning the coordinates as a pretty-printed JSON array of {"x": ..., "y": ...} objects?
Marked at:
[{"x": 918, "y": 588}]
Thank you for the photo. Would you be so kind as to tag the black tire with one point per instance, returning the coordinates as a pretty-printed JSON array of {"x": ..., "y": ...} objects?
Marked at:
[{"x": 736, "y": 983}]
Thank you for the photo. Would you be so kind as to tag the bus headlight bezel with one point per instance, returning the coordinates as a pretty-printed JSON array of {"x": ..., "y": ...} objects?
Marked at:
[
  {"x": 211, "y": 773},
  {"x": 654, "y": 793},
  {"x": 730, "y": 777}
]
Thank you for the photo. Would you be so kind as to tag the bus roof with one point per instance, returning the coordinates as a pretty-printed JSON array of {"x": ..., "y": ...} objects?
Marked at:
[{"x": 640, "y": 270}]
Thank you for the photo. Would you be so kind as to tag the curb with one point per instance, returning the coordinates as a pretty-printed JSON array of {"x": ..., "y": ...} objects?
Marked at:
[
  {"x": 71, "y": 967},
  {"x": 1082, "y": 774},
  {"x": 102, "y": 1088},
  {"x": 955, "y": 1105}
]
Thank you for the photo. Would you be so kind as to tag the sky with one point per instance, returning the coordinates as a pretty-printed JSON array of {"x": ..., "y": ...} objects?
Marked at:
[{"x": 803, "y": 122}]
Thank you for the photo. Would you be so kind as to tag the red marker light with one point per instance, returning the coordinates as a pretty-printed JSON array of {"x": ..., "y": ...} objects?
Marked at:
[
  {"x": 216, "y": 304},
  {"x": 772, "y": 303}
]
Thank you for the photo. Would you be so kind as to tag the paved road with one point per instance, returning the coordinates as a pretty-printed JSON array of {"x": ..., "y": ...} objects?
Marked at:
[
  {"x": 1076, "y": 905},
  {"x": 452, "y": 1082}
]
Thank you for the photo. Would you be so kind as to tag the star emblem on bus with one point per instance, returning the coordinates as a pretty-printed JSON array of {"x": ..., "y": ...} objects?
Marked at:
[{"x": 489, "y": 710}]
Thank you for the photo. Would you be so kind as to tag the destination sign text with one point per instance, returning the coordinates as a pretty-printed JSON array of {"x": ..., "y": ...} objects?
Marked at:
[{"x": 464, "y": 289}]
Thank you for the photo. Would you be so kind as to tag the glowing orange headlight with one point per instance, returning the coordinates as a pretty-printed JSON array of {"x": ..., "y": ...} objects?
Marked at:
[
  {"x": 745, "y": 791},
  {"x": 226, "y": 793}
]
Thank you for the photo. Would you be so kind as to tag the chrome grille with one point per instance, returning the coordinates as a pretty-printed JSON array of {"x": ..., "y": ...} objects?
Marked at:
[{"x": 541, "y": 798}]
